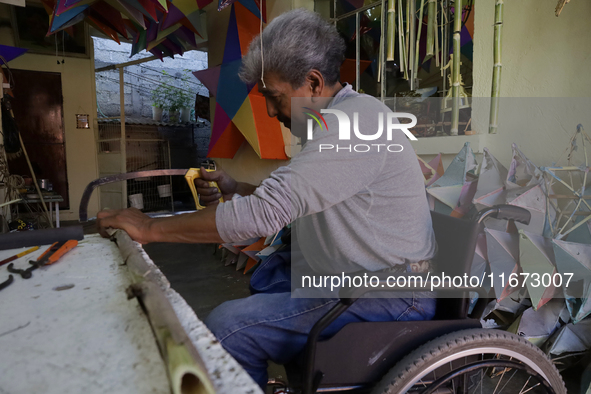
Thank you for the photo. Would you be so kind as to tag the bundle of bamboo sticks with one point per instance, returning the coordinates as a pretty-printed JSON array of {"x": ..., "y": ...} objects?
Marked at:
[{"x": 401, "y": 18}]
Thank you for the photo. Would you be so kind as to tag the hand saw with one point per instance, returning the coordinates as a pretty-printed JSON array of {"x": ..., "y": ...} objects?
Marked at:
[{"x": 190, "y": 175}]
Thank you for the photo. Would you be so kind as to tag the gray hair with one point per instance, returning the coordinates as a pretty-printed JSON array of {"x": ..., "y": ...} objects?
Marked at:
[{"x": 295, "y": 43}]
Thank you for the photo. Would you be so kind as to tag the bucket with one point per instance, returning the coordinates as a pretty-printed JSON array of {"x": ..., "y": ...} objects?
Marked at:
[
  {"x": 156, "y": 114},
  {"x": 137, "y": 201},
  {"x": 164, "y": 191},
  {"x": 185, "y": 115}
]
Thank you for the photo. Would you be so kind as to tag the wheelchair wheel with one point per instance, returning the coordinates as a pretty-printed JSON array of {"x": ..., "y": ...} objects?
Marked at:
[{"x": 474, "y": 361}]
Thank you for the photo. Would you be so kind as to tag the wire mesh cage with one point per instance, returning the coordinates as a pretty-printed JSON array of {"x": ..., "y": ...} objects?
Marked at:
[
  {"x": 143, "y": 155},
  {"x": 109, "y": 137},
  {"x": 144, "y": 150}
]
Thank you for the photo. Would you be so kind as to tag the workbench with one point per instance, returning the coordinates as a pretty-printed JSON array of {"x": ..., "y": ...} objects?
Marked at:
[{"x": 72, "y": 329}]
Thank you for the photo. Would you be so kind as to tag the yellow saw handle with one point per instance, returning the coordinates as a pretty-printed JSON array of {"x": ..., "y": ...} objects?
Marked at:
[{"x": 190, "y": 176}]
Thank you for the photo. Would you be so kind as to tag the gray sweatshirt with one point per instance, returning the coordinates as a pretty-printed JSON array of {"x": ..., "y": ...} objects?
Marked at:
[{"x": 350, "y": 210}]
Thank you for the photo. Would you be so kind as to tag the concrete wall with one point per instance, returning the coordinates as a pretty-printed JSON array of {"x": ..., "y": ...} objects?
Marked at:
[
  {"x": 140, "y": 79},
  {"x": 79, "y": 97},
  {"x": 543, "y": 56}
]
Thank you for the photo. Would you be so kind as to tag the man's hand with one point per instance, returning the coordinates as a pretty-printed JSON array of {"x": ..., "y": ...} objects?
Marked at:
[
  {"x": 211, "y": 195},
  {"x": 132, "y": 220}
]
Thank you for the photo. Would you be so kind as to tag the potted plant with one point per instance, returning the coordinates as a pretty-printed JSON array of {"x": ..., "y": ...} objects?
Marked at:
[
  {"x": 186, "y": 98},
  {"x": 174, "y": 105},
  {"x": 185, "y": 108},
  {"x": 178, "y": 99},
  {"x": 158, "y": 102}
]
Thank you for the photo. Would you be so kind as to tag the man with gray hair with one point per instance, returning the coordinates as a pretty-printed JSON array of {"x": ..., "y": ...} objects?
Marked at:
[{"x": 350, "y": 211}]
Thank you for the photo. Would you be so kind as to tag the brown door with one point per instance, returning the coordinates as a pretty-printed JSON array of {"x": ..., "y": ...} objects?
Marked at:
[{"x": 38, "y": 112}]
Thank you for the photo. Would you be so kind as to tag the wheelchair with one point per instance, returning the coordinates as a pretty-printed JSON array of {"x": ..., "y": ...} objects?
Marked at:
[{"x": 450, "y": 354}]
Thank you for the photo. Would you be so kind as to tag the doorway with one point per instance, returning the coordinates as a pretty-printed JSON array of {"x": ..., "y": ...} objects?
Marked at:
[{"x": 38, "y": 112}]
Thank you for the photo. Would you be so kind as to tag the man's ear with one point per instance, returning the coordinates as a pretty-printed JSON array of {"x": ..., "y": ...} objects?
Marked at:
[{"x": 316, "y": 82}]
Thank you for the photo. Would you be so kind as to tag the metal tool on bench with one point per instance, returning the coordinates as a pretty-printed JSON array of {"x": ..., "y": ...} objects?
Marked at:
[
  {"x": 19, "y": 255},
  {"x": 50, "y": 256},
  {"x": 7, "y": 282},
  {"x": 190, "y": 175}
]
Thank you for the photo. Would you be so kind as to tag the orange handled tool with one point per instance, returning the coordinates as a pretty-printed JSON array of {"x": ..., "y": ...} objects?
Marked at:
[{"x": 55, "y": 252}]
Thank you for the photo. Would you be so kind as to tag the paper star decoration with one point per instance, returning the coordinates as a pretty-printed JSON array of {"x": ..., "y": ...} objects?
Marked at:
[
  {"x": 240, "y": 110},
  {"x": 454, "y": 191}
]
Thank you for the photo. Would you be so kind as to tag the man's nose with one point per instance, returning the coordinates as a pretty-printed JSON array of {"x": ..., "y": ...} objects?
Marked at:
[{"x": 271, "y": 109}]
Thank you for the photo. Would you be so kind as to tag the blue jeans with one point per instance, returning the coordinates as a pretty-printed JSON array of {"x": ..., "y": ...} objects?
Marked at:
[{"x": 275, "y": 326}]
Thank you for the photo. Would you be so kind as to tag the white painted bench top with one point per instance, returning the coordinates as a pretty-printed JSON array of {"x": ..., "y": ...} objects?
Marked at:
[{"x": 90, "y": 338}]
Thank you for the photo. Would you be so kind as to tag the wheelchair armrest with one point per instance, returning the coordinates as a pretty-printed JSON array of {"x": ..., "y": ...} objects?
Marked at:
[
  {"x": 505, "y": 212},
  {"x": 413, "y": 282}
]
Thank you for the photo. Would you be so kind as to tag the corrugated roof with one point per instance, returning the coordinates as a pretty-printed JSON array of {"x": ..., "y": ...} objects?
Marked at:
[{"x": 148, "y": 121}]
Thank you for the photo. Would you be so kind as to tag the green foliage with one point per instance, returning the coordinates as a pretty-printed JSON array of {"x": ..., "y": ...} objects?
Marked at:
[
  {"x": 173, "y": 98},
  {"x": 159, "y": 97}
]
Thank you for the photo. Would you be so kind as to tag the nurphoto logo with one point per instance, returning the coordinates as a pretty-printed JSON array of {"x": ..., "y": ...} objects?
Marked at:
[{"x": 345, "y": 130}]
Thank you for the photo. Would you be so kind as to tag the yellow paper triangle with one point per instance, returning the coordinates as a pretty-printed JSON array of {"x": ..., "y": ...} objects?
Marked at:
[
  {"x": 164, "y": 33},
  {"x": 186, "y": 6},
  {"x": 163, "y": 4},
  {"x": 155, "y": 43},
  {"x": 244, "y": 120},
  {"x": 217, "y": 36}
]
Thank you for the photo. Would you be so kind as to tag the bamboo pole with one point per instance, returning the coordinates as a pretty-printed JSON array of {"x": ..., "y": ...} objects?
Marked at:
[
  {"x": 47, "y": 214},
  {"x": 436, "y": 33},
  {"x": 445, "y": 29},
  {"x": 412, "y": 40},
  {"x": 184, "y": 366},
  {"x": 383, "y": 50},
  {"x": 560, "y": 6},
  {"x": 401, "y": 42},
  {"x": 391, "y": 30},
  {"x": 407, "y": 41},
  {"x": 497, "y": 67},
  {"x": 418, "y": 39},
  {"x": 445, "y": 33},
  {"x": 455, "y": 88},
  {"x": 431, "y": 28},
  {"x": 357, "y": 51}
]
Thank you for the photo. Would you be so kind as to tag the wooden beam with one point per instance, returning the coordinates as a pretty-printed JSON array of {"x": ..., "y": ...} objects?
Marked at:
[{"x": 122, "y": 65}]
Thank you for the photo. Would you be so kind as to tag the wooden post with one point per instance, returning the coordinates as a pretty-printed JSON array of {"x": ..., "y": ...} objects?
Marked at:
[{"x": 123, "y": 142}]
